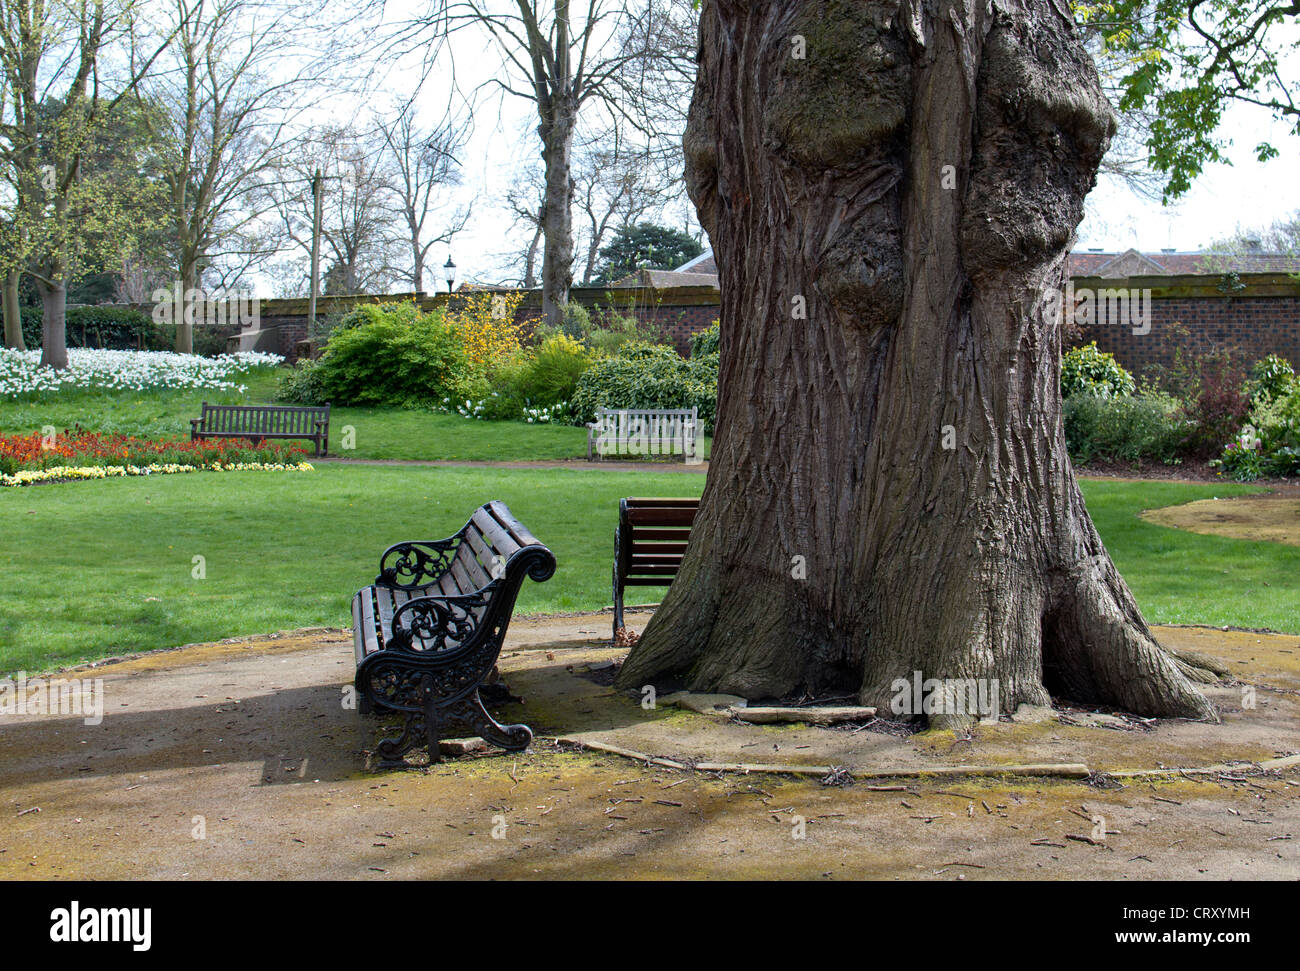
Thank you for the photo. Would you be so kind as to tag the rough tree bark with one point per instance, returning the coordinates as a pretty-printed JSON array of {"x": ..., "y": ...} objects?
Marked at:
[
  {"x": 889, "y": 490},
  {"x": 556, "y": 131},
  {"x": 13, "y": 312}
]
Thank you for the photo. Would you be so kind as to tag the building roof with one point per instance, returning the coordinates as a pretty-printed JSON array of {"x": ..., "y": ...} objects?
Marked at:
[{"x": 664, "y": 279}]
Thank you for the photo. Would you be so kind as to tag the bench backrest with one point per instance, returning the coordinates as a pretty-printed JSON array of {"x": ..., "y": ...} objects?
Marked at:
[
  {"x": 646, "y": 431},
  {"x": 264, "y": 419},
  {"x": 652, "y": 536}
]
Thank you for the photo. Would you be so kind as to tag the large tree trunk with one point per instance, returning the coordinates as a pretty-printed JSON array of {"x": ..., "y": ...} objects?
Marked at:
[
  {"x": 13, "y": 312},
  {"x": 54, "y": 307},
  {"x": 557, "y": 215},
  {"x": 889, "y": 490}
]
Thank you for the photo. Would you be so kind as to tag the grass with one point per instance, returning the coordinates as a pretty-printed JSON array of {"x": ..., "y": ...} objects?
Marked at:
[
  {"x": 91, "y": 572},
  {"x": 95, "y": 569},
  {"x": 376, "y": 433}
]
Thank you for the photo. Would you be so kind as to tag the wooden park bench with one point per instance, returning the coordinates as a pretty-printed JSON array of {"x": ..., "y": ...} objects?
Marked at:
[
  {"x": 428, "y": 631},
  {"x": 648, "y": 544},
  {"x": 260, "y": 422},
  {"x": 645, "y": 431}
]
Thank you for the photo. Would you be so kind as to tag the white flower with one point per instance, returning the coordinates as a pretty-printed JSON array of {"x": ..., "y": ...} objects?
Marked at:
[{"x": 21, "y": 371}]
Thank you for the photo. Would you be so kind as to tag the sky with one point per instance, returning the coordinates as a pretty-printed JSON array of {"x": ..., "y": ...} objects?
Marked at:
[{"x": 1226, "y": 198}]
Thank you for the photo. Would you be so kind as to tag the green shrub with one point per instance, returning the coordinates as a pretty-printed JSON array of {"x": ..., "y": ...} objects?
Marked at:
[
  {"x": 706, "y": 341},
  {"x": 302, "y": 384},
  {"x": 1087, "y": 370},
  {"x": 397, "y": 355},
  {"x": 609, "y": 330},
  {"x": 577, "y": 321},
  {"x": 111, "y": 327},
  {"x": 1129, "y": 429},
  {"x": 1271, "y": 377},
  {"x": 553, "y": 371},
  {"x": 649, "y": 376}
]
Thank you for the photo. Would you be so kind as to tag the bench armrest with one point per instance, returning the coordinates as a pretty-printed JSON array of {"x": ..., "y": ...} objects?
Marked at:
[
  {"x": 415, "y": 563},
  {"x": 439, "y": 622}
]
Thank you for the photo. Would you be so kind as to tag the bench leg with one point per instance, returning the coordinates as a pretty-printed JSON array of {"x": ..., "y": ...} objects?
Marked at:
[
  {"x": 618, "y": 600},
  {"x": 392, "y": 751},
  {"x": 431, "y": 733},
  {"x": 470, "y": 712}
]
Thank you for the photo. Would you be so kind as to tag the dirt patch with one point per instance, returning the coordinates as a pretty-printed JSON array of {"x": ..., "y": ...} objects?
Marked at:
[
  {"x": 240, "y": 760},
  {"x": 1273, "y": 518}
]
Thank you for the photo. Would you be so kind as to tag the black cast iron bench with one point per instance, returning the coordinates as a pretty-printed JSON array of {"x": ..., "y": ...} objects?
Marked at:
[
  {"x": 260, "y": 422},
  {"x": 428, "y": 631},
  {"x": 648, "y": 544}
]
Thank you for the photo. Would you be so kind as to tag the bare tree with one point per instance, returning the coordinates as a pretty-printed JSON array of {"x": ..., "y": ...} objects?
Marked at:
[
  {"x": 230, "y": 103},
  {"x": 616, "y": 185},
  {"x": 357, "y": 229},
  {"x": 420, "y": 163},
  {"x": 562, "y": 58}
]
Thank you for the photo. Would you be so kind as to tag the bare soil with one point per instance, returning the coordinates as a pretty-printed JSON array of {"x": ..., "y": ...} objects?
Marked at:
[{"x": 1273, "y": 518}]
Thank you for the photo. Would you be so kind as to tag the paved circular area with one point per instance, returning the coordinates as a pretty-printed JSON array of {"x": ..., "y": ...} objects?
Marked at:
[{"x": 238, "y": 759}]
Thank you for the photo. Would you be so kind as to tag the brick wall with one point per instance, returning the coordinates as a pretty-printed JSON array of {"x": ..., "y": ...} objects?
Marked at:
[{"x": 1263, "y": 318}]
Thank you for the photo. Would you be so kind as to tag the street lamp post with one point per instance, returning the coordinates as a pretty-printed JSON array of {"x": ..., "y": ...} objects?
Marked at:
[{"x": 450, "y": 268}]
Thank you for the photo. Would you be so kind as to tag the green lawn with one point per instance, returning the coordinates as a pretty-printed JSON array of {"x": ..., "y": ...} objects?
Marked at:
[
  {"x": 376, "y": 433},
  {"x": 98, "y": 568}
]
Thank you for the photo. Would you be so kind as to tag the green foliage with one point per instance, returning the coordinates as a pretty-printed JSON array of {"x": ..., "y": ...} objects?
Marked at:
[
  {"x": 706, "y": 341},
  {"x": 1087, "y": 370},
  {"x": 1185, "y": 79},
  {"x": 645, "y": 244},
  {"x": 649, "y": 376},
  {"x": 1271, "y": 377},
  {"x": 577, "y": 320},
  {"x": 603, "y": 330},
  {"x": 396, "y": 355},
  {"x": 1269, "y": 443},
  {"x": 112, "y": 328},
  {"x": 553, "y": 372},
  {"x": 302, "y": 384},
  {"x": 1130, "y": 428}
]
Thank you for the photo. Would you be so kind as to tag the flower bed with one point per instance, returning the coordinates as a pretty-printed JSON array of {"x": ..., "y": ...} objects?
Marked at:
[
  {"x": 27, "y": 459},
  {"x": 74, "y": 473},
  {"x": 21, "y": 372}
]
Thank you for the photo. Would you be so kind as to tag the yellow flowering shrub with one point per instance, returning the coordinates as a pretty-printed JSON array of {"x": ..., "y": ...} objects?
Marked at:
[{"x": 486, "y": 325}]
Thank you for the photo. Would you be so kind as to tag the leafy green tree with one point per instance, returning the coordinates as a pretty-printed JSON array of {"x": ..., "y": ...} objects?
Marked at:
[
  {"x": 645, "y": 245},
  {"x": 1187, "y": 61}
]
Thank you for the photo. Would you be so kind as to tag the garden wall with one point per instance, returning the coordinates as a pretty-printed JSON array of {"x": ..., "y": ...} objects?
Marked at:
[{"x": 1260, "y": 318}]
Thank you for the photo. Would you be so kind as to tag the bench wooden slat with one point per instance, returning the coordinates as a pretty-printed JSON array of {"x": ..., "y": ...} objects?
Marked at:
[
  {"x": 468, "y": 561},
  {"x": 493, "y": 564},
  {"x": 661, "y": 517},
  {"x": 464, "y": 583},
  {"x": 502, "y": 542},
  {"x": 651, "y": 540}
]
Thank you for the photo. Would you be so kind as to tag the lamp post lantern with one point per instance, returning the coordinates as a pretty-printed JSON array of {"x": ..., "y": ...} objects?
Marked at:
[{"x": 450, "y": 269}]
